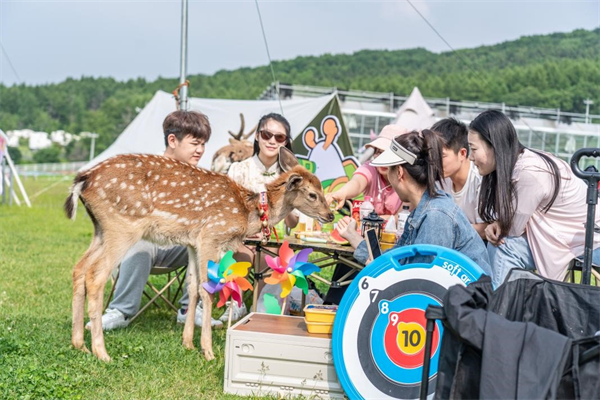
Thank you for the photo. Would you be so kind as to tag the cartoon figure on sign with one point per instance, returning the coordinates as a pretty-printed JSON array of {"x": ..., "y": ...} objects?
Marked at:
[{"x": 325, "y": 159}]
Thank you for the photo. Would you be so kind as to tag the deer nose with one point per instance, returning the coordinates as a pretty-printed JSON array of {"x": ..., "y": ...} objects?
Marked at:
[{"x": 330, "y": 217}]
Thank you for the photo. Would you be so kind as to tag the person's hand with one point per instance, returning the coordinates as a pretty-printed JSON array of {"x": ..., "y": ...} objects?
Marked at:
[
  {"x": 347, "y": 229},
  {"x": 336, "y": 196},
  {"x": 492, "y": 234}
]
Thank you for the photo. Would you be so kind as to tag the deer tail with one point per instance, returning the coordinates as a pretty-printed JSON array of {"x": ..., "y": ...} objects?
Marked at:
[{"x": 79, "y": 184}]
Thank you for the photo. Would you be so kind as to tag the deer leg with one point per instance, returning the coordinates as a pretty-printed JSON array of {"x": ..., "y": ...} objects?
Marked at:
[
  {"x": 192, "y": 288},
  {"x": 113, "y": 249},
  {"x": 90, "y": 256},
  {"x": 207, "y": 253}
]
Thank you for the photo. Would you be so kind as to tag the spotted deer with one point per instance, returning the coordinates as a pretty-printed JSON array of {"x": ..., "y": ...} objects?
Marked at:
[{"x": 134, "y": 197}]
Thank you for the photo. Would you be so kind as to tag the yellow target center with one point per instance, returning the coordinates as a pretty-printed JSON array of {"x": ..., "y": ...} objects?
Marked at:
[{"x": 411, "y": 337}]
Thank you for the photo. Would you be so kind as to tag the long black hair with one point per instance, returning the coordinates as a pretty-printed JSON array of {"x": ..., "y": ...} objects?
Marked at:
[
  {"x": 497, "y": 188},
  {"x": 275, "y": 117},
  {"x": 428, "y": 168}
]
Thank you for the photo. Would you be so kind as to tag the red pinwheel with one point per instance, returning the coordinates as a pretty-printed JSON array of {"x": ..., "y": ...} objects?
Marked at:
[{"x": 228, "y": 279}]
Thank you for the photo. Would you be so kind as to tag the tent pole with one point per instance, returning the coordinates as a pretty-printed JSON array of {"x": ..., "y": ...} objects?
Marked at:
[
  {"x": 11, "y": 166},
  {"x": 183, "y": 96}
]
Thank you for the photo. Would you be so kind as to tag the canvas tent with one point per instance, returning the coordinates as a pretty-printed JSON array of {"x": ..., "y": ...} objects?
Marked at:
[
  {"x": 415, "y": 113},
  {"x": 145, "y": 135}
]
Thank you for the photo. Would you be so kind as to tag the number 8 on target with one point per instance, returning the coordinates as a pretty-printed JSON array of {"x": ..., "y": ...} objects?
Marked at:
[{"x": 379, "y": 331}]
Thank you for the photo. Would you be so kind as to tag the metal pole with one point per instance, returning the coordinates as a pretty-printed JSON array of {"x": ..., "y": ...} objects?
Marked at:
[
  {"x": 587, "y": 103},
  {"x": 183, "y": 94},
  {"x": 11, "y": 187},
  {"x": 2, "y": 183},
  {"x": 93, "y": 146}
]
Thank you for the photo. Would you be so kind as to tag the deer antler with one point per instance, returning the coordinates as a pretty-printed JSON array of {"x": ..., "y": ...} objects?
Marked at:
[
  {"x": 247, "y": 135},
  {"x": 238, "y": 136}
]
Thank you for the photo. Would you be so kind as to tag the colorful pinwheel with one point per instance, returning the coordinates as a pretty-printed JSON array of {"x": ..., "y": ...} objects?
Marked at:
[
  {"x": 228, "y": 279},
  {"x": 290, "y": 269}
]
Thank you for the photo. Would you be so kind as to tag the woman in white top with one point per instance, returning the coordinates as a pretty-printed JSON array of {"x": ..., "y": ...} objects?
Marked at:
[
  {"x": 272, "y": 132},
  {"x": 254, "y": 173},
  {"x": 534, "y": 203}
]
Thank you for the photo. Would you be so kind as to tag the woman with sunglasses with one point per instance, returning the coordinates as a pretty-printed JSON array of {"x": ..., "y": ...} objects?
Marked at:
[
  {"x": 272, "y": 132},
  {"x": 372, "y": 181},
  {"x": 543, "y": 226},
  {"x": 414, "y": 162}
]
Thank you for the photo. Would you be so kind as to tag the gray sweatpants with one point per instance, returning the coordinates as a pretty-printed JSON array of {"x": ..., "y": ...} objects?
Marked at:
[{"x": 135, "y": 270}]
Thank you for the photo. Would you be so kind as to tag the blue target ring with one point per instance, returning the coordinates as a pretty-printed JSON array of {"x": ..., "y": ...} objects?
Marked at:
[{"x": 379, "y": 331}]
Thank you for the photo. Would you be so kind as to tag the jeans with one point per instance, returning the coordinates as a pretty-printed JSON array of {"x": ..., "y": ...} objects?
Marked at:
[{"x": 515, "y": 253}]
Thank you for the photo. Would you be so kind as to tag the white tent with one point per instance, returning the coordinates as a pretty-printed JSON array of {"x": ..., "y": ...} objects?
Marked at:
[
  {"x": 415, "y": 113},
  {"x": 145, "y": 135}
]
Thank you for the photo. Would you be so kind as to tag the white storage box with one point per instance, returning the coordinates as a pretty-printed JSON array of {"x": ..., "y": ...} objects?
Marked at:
[{"x": 270, "y": 354}]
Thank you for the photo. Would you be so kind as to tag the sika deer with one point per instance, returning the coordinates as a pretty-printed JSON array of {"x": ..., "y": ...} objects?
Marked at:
[{"x": 134, "y": 197}]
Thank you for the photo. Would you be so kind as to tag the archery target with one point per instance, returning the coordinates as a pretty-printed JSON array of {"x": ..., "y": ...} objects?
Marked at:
[{"x": 379, "y": 331}]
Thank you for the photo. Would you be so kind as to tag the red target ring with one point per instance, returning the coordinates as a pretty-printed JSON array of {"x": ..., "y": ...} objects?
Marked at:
[{"x": 404, "y": 338}]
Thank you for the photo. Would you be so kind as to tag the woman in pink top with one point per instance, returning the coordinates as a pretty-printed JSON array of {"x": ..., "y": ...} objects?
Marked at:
[
  {"x": 372, "y": 181},
  {"x": 534, "y": 203}
]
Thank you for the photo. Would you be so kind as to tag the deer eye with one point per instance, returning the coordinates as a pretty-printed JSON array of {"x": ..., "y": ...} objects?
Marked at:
[{"x": 312, "y": 196}]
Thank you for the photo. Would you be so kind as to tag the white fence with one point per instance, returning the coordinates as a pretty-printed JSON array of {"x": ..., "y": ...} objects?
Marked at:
[{"x": 49, "y": 168}]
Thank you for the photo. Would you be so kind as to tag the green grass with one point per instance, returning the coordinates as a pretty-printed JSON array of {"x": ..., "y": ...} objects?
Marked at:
[{"x": 38, "y": 248}]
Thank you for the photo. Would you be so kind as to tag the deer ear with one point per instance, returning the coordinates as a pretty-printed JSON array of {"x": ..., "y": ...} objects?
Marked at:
[
  {"x": 293, "y": 182},
  {"x": 287, "y": 159}
]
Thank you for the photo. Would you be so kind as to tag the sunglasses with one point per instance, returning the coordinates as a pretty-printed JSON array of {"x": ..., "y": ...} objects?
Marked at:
[{"x": 279, "y": 138}]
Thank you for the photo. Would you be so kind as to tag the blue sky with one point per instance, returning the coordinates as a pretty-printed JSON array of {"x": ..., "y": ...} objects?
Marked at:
[{"x": 48, "y": 41}]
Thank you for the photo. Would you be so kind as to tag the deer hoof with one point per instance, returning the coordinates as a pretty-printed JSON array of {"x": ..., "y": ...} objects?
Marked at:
[
  {"x": 103, "y": 357},
  {"x": 209, "y": 355},
  {"x": 189, "y": 345},
  {"x": 82, "y": 347}
]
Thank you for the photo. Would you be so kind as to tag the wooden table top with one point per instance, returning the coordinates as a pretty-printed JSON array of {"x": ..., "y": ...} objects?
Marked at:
[
  {"x": 278, "y": 324},
  {"x": 297, "y": 244}
]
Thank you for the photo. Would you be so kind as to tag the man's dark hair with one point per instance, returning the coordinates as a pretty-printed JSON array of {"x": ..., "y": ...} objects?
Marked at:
[
  {"x": 183, "y": 123},
  {"x": 454, "y": 133}
]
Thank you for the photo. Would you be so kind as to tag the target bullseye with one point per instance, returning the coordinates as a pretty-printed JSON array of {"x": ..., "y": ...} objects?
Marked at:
[{"x": 379, "y": 331}]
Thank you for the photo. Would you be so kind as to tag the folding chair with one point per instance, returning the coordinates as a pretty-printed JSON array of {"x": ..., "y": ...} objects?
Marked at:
[{"x": 175, "y": 276}]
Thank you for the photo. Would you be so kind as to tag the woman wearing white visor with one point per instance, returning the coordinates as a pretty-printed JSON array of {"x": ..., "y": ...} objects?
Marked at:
[{"x": 414, "y": 162}]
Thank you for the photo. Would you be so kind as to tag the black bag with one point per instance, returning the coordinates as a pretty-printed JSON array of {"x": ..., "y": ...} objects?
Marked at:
[{"x": 532, "y": 338}]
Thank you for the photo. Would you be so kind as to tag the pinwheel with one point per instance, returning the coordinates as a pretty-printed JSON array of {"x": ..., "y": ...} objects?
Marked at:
[
  {"x": 290, "y": 270},
  {"x": 228, "y": 279}
]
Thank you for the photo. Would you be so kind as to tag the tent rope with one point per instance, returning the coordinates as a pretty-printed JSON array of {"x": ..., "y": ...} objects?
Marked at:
[{"x": 269, "y": 55}]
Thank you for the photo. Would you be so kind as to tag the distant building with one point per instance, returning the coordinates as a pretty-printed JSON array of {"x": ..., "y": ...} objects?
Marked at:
[
  {"x": 39, "y": 140},
  {"x": 551, "y": 130}
]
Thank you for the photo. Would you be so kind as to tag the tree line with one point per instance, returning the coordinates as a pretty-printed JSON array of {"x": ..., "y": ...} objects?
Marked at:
[{"x": 557, "y": 71}]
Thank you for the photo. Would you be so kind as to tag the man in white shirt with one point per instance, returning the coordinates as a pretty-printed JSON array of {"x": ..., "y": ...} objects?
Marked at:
[{"x": 463, "y": 180}]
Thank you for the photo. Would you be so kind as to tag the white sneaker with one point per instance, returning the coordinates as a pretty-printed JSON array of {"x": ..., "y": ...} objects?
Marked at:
[
  {"x": 238, "y": 312},
  {"x": 182, "y": 315},
  {"x": 112, "y": 319}
]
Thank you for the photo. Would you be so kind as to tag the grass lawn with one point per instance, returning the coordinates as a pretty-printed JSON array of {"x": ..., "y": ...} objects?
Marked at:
[{"x": 38, "y": 248}]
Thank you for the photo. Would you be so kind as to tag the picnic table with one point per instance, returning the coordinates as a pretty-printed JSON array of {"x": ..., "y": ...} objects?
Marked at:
[{"x": 332, "y": 254}]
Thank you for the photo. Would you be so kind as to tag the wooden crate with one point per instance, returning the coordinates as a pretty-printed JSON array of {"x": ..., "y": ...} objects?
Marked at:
[{"x": 275, "y": 355}]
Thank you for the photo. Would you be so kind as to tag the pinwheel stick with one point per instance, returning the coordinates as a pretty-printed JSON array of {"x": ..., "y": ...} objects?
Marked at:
[
  {"x": 283, "y": 306},
  {"x": 229, "y": 319}
]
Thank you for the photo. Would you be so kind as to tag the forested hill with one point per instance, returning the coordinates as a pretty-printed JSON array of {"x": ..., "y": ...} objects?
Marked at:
[{"x": 558, "y": 70}]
